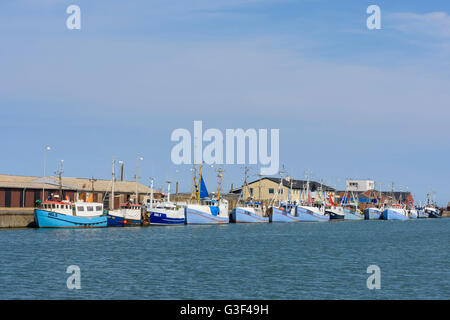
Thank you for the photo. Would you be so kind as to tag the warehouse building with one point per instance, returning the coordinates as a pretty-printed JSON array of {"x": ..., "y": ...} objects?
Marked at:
[
  {"x": 265, "y": 189},
  {"x": 24, "y": 191}
]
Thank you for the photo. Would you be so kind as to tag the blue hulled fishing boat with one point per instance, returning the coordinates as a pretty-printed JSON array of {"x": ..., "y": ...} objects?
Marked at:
[
  {"x": 351, "y": 212},
  {"x": 372, "y": 213},
  {"x": 165, "y": 212},
  {"x": 248, "y": 211},
  {"x": 311, "y": 214},
  {"x": 285, "y": 212},
  {"x": 56, "y": 214},
  {"x": 394, "y": 213},
  {"x": 206, "y": 210}
]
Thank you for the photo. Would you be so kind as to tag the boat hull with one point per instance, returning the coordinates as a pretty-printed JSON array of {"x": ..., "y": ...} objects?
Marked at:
[
  {"x": 49, "y": 219},
  {"x": 240, "y": 215},
  {"x": 157, "y": 218},
  {"x": 193, "y": 216},
  {"x": 335, "y": 216},
  {"x": 352, "y": 215},
  {"x": 432, "y": 213},
  {"x": 307, "y": 215},
  {"x": 116, "y": 221},
  {"x": 389, "y": 214},
  {"x": 370, "y": 214},
  {"x": 279, "y": 215}
]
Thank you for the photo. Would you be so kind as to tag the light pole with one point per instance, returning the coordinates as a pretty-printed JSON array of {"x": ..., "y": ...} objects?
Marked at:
[{"x": 47, "y": 148}]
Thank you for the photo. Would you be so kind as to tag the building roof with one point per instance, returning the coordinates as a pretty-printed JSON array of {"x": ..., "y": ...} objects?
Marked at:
[
  {"x": 385, "y": 194},
  {"x": 72, "y": 184},
  {"x": 296, "y": 184}
]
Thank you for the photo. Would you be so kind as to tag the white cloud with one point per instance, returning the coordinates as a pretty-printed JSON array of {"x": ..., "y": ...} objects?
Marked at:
[{"x": 435, "y": 24}]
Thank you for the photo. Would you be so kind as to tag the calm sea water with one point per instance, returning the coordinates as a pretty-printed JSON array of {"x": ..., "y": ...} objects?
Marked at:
[{"x": 268, "y": 261}]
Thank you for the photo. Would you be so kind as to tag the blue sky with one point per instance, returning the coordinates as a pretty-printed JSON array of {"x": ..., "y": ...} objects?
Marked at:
[{"x": 349, "y": 102}]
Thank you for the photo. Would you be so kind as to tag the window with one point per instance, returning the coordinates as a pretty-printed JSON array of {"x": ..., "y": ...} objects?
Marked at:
[
  {"x": 90, "y": 208},
  {"x": 98, "y": 208},
  {"x": 251, "y": 191},
  {"x": 280, "y": 191},
  {"x": 80, "y": 208},
  {"x": 271, "y": 191}
]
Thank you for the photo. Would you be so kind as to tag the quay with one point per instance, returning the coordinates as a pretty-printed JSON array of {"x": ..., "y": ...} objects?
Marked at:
[{"x": 16, "y": 217}]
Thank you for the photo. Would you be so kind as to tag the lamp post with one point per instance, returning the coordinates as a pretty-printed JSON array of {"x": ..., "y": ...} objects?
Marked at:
[{"x": 47, "y": 148}]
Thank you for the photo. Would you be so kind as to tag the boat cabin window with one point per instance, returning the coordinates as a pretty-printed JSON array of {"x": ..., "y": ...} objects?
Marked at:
[
  {"x": 80, "y": 208},
  {"x": 90, "y": 208},
  {"x": 98, "y": 208}
]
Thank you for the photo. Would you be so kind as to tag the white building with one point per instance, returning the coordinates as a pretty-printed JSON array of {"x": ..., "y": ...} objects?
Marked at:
[{"x": 360, "y": 185}]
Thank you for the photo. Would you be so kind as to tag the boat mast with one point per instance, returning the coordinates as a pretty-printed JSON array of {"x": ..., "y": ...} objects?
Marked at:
[
  {"x": 220, "y": 175},
  {"x": 168, "y": 190},
  {"x": 113, "y": 179},
  {"x": 60, "y": 171},
  {"x": 137, "y": 178},
  {"x": 151, "y": 193},
  {"x": 199, "y": 184},
  {"x": 307, "y": 185},
  {"x": 245, "y": 185}
]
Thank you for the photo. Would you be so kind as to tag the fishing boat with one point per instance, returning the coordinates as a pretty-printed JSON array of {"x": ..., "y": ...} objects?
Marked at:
[
  {"x": 431, "y": 209},
  {"x": 128, "y": 214},
  {"x": 350, "y": 205},
  {"x": 335, "y": 211},
  {"x": 432, "y": 212},
  {"x": 311, "y": 213},
  {"x": 165, "y": 212},
  {"x": 204, "y": 209},
  {"x": 306, "y": 211},
  {"x": 284, "y": 212},
  {"x": 351, "y": 212},
  {"x": 413, "y": 214},
  {"x": 421, "y": 214},
  {"x": 395, "y": 212},
  {"x": 249, "y": 211},
  {"x": 372, "y": 213},
  {"x": 64, "y": 214}
]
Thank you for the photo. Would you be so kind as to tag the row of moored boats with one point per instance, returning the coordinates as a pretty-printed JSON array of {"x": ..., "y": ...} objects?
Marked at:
[{"x": 203, "y": 209}]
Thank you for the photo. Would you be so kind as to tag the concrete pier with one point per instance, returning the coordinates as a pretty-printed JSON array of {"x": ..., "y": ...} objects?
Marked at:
[{"x": 16, "y": 217}]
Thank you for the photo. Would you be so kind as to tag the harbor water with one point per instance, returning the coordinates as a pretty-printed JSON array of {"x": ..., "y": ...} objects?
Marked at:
[{"x": 235, "y": 261}]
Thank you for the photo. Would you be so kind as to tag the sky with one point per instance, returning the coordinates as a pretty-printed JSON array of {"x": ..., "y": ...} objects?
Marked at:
[{"x": 349, "y": 102}]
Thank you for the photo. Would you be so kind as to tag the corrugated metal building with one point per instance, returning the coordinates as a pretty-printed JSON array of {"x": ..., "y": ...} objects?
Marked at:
[{"x": 24, "y": 191}]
